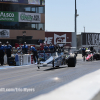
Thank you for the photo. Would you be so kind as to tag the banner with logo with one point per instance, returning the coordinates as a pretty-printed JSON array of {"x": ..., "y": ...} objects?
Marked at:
[
  {"x": 47, "y": 56},
  {"x": 90, "y": 38},
  {"x": 34, "y": 2},
  {"x": 15, "y": 1},
  {"x": 44, "y": 56},
  {"x": 37, "y": 2},
  {"x": 58, "y": 38},
  {"x": 43, "y": 2},
  {"x": 29, "y": 17},
  {"x": 54, "y": 37},
  {"x": 9, "y": 16},
  {"x": 41, "y": 55},
  {"x": 4, "y": 33}
]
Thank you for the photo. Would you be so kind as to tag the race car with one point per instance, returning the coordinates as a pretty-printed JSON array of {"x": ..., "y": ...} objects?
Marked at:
[
  {"x": 92, "y": 56},
  {"x": 58, "y": 59}
]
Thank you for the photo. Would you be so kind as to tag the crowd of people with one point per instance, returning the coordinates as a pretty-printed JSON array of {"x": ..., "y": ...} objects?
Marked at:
[
  {"x": 31, "y": 49},
  {"x": 53, "y": 48},
  {"x": 25, "y": 49},
  {"x": 45, "y": 48}
]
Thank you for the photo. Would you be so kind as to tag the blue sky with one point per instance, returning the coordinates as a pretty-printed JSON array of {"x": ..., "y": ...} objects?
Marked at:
[{"x": 59, "y": 15}]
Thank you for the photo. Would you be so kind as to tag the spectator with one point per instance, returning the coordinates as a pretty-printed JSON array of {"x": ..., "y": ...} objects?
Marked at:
[
  {"x": 62, "y": 48},
  {"x": 51, "y": 47},
  {"x": 1, "y": 53},
  {"x": 54, "y": 48},
  {"x": 59, "y": 49},
  {"x": 25, "y": 48},
  {"x": 19, "y": 50},
  {"x": 46, "y": 47},
  {"x": 91, "y": 49},
  {"x": 35, "y": 54},
  {"x": 83, "y": 53},
  {"x": 8, "y": 50}
]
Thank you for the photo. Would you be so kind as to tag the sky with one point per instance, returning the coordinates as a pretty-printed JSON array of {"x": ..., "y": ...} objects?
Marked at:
[{"x": 60, "y": 15}]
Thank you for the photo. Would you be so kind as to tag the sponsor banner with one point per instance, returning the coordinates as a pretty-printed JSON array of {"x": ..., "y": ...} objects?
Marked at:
[
  {"x": 90, "y": 38},
  {"x": 58, "y": 38},
  {"x": 9, "y": 16},
  {"x": 4, "y": 33},
  {"x": 47, "y": 56},
  {"x": 37, "y": 2},
  {"x": 54, "y": 37},
  {"x": 34, "y": 2},
  {"x": 15, "y": 1},
  {"x": 43, "y": 2},
  {"x": 29, "y": 17},
  {"x": 41, "y": 55},
  {"x": 44, "y": 55}
]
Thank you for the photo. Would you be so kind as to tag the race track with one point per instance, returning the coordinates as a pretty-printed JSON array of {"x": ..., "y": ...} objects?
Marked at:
[{"x": 43, "y": 80}]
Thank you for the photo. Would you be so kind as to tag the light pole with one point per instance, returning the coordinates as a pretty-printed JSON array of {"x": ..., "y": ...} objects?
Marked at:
[
  {"x": 75, "y": 22},
  {"x": 76, "y": 17},
  {"x": 84, "y": 29}
]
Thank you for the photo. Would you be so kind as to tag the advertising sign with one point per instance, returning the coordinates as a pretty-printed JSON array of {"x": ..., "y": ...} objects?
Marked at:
[
  {"x": 44, "y": 55},
  {"x": 59, "y": 38},
  {"x": 4, "y": 33},
  {"x": 43, "y": 2},
  {"x": 29, "y": 17},
  {"x": 54, "y": 37},
  {"x": 41, "y": 55},
  {"x": 34, "y": 2},
  {"x": 8, "y": 16},
  {"x": 15, "y": 1},
  {"x": 90, "y": 38},
  {"x": 47, "y": 56}
]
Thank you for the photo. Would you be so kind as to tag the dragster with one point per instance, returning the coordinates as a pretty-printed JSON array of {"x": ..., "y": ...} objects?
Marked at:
[{"x": 57, "y": 59}]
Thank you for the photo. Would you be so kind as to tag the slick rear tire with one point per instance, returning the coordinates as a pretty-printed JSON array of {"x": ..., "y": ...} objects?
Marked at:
[{"x": 72, "y": 62}]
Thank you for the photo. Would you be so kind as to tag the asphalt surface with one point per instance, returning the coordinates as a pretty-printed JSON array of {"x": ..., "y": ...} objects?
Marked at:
[{"x": 43, "y": 80}]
